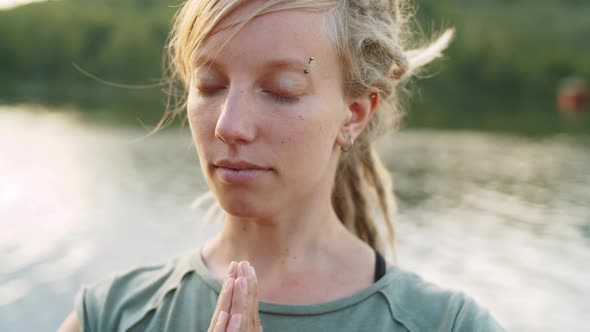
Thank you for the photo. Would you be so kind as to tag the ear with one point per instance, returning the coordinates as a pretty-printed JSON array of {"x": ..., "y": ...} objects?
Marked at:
[{"x": 359, "y": 111}]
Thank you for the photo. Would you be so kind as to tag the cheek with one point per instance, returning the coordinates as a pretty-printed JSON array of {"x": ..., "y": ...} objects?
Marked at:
[
  {"x": 317, "y": 136},
  {"x": 202, "y": 120},
  {"x": 304, "y": 140}
]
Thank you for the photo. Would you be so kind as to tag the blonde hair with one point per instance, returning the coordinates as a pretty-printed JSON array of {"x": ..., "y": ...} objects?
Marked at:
[{"x": 372, "y": 39}]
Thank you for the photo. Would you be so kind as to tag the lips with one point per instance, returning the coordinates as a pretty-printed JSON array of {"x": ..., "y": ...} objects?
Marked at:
[
  {"x": 238, "y": 165},
  {"x": 239, "y": 172}
]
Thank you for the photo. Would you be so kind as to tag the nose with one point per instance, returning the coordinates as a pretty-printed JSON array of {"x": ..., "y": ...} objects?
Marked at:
[{"x": 235, "y": 124}]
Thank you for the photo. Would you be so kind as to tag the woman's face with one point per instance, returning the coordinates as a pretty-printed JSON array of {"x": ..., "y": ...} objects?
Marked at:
[{"x": 266, "y": 130}]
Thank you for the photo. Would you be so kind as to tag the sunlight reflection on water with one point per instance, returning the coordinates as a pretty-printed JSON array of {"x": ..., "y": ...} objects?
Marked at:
[
  {"x": 504, "y": 218},
  {"x": 499, "y": 217}
]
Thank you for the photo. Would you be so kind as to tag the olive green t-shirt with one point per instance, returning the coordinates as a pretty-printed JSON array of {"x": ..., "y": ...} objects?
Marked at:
[{"x": 181, "y": 296}]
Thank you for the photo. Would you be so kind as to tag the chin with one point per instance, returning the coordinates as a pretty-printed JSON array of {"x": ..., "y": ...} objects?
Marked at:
[{"x": 245, "y": 206}]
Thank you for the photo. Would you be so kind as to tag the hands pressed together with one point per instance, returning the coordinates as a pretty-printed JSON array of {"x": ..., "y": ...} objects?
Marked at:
[{"x": 237, "y": 306}]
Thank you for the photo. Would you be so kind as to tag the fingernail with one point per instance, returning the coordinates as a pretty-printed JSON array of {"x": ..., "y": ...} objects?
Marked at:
[
  {"x": 245, "y": 267},
  {"x": 235, "y": 321},
  {"x": 228, "y": 283},
  {"x": 243, "y": 285},
  {"x": 222, "y": 316},
  {"x": 232, "y": 268}
]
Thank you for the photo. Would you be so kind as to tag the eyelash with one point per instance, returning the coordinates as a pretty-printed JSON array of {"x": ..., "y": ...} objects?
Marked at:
[
  {"x": 208, "y": 93},
  {"x": 283, "y": 99},
  {"x": 277, "y": 98}
]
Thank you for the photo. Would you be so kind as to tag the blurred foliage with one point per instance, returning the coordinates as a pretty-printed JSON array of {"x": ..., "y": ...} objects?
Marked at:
[
  {"x": 505, "y": 64},
  {"x": 501, "y": 72},
  {"x": 119, "y": 41}
]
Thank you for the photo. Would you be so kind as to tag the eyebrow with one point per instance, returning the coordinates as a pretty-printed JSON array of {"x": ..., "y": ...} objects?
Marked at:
[
  {"x": 287, "y": 64},
  {"x": 281, "y": 63}
]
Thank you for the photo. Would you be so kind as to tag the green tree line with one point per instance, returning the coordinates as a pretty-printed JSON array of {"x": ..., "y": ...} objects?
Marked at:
[{"x": 501, "y": 71}]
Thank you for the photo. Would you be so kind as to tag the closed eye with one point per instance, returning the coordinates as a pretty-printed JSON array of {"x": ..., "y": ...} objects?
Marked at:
[
  {"x": 282, "y": 99},
  {"x": 209, "y": 92}
]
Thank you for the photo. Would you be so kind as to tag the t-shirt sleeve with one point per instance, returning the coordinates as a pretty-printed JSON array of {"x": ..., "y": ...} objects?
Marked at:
[
  {"x": 423, "y": 306},
  {"x": 87, "y": 308},
  {"x": 89, "y": 305},
  {"x": 120, "y": 300},
  {"x": 473, "y": 317}
]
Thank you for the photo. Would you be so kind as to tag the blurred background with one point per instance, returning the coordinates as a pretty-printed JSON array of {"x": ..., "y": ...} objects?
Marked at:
[{"x": 491, "y": 168}]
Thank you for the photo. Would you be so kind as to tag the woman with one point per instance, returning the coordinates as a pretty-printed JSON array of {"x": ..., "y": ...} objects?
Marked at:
[{"x": 284, "y": 100}]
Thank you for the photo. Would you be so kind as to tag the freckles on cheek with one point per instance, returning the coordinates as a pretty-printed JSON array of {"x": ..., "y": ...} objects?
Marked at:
[
  {"x": 323, "y": 131},
  {"x": 201, "y": 121},
  {"x": 307, "y": 132},
  {"x": 205, "y": 130},
  {"x": 293, "y": 132},
  {"x": 195, "y": 121}
]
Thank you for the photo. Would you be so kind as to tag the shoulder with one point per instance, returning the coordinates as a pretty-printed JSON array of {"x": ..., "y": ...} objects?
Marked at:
[
  {"x": 423, "y": 306},
  {"x": 124, "y": 298}
]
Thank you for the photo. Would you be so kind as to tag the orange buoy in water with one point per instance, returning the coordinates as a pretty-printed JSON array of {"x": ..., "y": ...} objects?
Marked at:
[{"x": 573, "y": 95}]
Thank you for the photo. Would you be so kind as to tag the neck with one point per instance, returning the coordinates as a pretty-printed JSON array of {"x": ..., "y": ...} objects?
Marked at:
[
  {"x": 311, "y": 235},
  {"x": 292, "y": 252},
  {"x": 273, "y": 241}
]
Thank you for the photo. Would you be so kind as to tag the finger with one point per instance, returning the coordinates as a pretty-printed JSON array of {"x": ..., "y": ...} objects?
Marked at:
[
  {"x": 225, "y": 296},
  {"x": 224, "y": 300},
  {"x": 233, "y": 270},
  {"x": 234, "y": 323},
  {"x": 254, "y": 299},
  {"x": 253, "y": 283},
  {"x": 222, "y": 322},
  {"x": 250, "y": 313},
  {"x": 240, "y": 295}
]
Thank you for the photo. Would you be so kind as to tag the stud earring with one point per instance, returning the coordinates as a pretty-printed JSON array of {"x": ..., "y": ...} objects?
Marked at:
[{"x": 349, "y": 146}]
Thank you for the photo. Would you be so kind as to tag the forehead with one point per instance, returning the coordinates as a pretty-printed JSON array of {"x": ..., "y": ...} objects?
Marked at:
[{"x": 284, "y": 35}]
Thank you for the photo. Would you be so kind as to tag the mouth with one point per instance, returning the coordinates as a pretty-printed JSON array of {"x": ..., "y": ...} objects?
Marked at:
[
  {"x": 238, "y": 165},
  {"x": 238, "y": 172}
]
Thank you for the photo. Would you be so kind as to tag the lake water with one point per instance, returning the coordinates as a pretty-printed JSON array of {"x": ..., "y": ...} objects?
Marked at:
[{"x": 504, "y": 218}]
